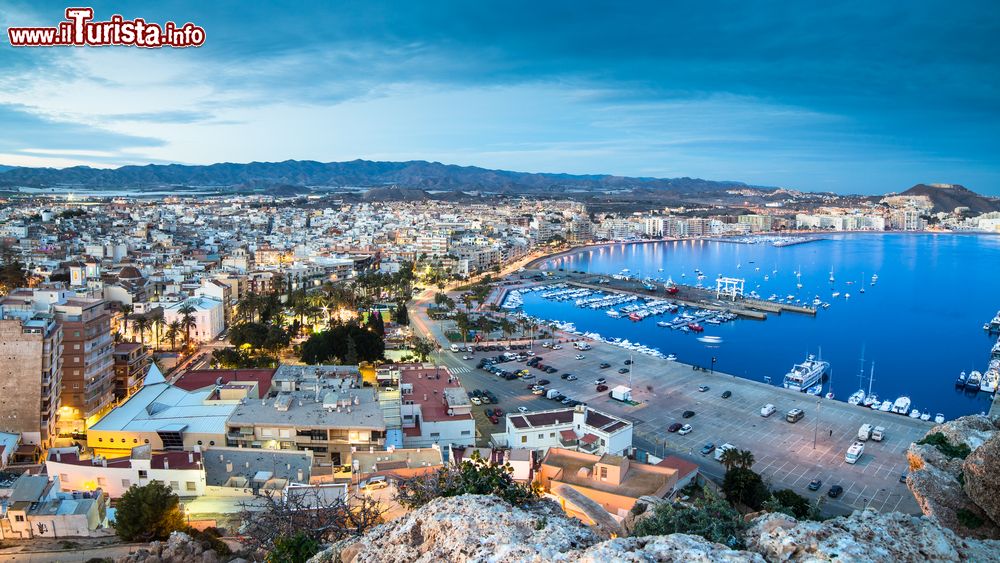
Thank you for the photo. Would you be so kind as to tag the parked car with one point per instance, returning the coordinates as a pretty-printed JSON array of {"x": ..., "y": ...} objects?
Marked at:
[
  {"x": 902, "y": 478},
  {"x": 566, "y": 401},
  {"x": 815, "y": 484},
  {"x": 579, "y": 356},
  {"x": 703, "y": 388},
  {"x": 628, "y": 362},
  {"x": 495, "y": 419},
  {"x": 528, "y": 376},
  {"x": 686, "y": 429},
  {"x": 466, "y": 357},
  {"x": 707, "y": 448},
  {"x": 835, "y": 491},
  {"x": 498, "y": 411},
  {"x": 476, "y": 401},
  {"x": 687, "y": 414},
  {"x": 727, "y": 394},
  {"x": 550, "y": 369},
  {"x": 544, "y": 382},
  {"x": 375, "y": 483},
  {"x": 571, "y": 377},
  {"x": 767, "y": 410},
  {"x": 602, "y": 388},
  {"x": 565, "y": 375},
  {"x": 489, "y": 413},
  {"x": 522, "y": 409},
  {"x": 674, "y": 427},
  {"x": 605, "y": 365},
  {"x": 538, "y": 391},
  {"x": 623, "y": 370},
  {"x": 600, "y": 381}
]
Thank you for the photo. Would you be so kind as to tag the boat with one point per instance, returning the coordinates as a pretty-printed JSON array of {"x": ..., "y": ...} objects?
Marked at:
[
  {"x": 696, "y": 327},
  {"x": 874, "y": 278},
  {"x": 857, "y": 397},
  {"x": 960, "y": 382},
  {"x": 871, "y": 401},
  {"x": 710, "y": 339},
  {"x": 671, "y": 358},
  {"x": 974, "y": 380},
  {"x": 836, "y": 294},
  {"x": 613, "y": 314},
  {"x": 806, "y": 374},
  {"x": 815, "y": 390},
  {"x": 991, "y": 379},
  {"x": 829, "y": 394},
  {"x": 662, "y": 324},
  {"x": 925, "y": 416},
  {"x": 939, "y": 418},
  {"x": 901, "y": 405},
  {"x": 847, "y": 296},
  {"x": 634, "y": 316},
  {"x": 886, "y": 406},
  {"x": 831, "y": 277},
  {"x": 915, "y": 413}
]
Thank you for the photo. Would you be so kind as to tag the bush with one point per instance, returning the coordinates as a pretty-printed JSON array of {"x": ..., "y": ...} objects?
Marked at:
[
  {"x": 968, "y": 518},
  {"x": 147, "y": 513},
  {"x": 709, "y": 517},
  {"x": 296, "y": 549},
  {"x": 475, "y": 476},
  {"x": 939, "y": 441},
  {"x": 790, "y": 503},
  {"x": 745, "y": 486}
]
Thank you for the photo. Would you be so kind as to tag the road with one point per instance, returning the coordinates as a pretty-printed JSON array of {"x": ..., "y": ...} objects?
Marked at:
[{"x": 787, "y": 455}]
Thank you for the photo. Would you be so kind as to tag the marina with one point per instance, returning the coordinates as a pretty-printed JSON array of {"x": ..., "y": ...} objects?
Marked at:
[{"x": 824, "y": 317}]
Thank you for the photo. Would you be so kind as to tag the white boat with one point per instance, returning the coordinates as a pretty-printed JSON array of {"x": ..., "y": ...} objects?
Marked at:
[
  {"x": 613, "y": 314},
  {"x": 671, "y": 358},
  {"x": 871, "y": 401},
  {"x": 915, "y": 413},
  {"x": 939, "y": 418},
  {"x": 857, "y": 397},
  {"x": 886, "y": 406},
  {"x": 806, "y": 374},
  {"x": 847, "y": 296},
  {"x": 836, "y": 294},
  {"x": 926, "y": 415},
  {"x": 901, "y": 405},
  {"x": 663, "y": 324}
]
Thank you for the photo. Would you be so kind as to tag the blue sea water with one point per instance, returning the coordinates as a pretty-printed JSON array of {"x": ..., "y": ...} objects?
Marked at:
[{"x": 921, "y": 323}]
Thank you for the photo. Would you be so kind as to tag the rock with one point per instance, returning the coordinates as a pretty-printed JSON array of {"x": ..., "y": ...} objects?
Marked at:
[
  {"x": 179, "y": 548},
  {"x": 937, "y": 480},
  {"x": 644, "y": 507},
  {"x": 864, "y": 536},
  {"x": 675, "y": 547},
  {"x": 980, "y": 472}
]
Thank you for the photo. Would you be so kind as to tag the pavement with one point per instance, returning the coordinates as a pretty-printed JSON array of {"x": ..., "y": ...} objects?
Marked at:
[{"x": 787, "y": 455}]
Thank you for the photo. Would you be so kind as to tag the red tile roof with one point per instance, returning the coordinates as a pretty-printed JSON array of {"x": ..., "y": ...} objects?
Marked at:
[
  {"x": 588, "y": 438},
  {"x": 201, "y": 378},
  {"x": 568, "y": 434},
  {"x": 683, "y": 466},
  {"x": 428, "y": 392}
]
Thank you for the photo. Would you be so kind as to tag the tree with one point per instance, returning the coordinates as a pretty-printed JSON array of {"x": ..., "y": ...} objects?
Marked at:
[
  {"x": 709, "y": 517},
  {"x": 789, "y": 502},
  {"x": 187, "y": 322},
  {"x": 730, "y": 458},
  {"x": 400, "y": 315},
  {"x": 745, "y": 459},
  {"x": 173, "y": 331},
  {"x": 271, "y": 520},
  {"x": 351, "y": 355},
  {"x": 126, "y": 311},
  {"x": 474, "y": 476},
  {"x": 295, "y": 549},
  {"x": 744, "y": 486},
  {"x": 422, "y": 347},
  {"x": 141, "y": 324},
  {"x": 327, "y": 345},
  {"x": 147, "y": 513}
]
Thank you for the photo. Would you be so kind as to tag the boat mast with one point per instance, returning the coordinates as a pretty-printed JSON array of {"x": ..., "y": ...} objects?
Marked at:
[
  {"x": 861, "y": 371},
  {"x": 871, "y": 378}
]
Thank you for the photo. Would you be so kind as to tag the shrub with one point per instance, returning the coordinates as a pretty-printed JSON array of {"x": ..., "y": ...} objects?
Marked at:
[
  {"x": 940, "y": 441},
  {"x": 790, "y": 503},
  {"x": 295, "y": 549},
  {"x": 475, "y": 476},
  {"x": 744, "y": 486},
  {"x": 709, "y": 517}
]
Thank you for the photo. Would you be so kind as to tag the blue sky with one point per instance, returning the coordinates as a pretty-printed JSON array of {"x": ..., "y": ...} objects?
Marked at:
[{"x": 858, "y": 97}]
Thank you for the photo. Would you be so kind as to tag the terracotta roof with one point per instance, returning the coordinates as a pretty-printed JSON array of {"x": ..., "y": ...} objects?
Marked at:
[
  {"x": 588, "y": 438},
  {"x": 683, "y": 466},
  {"x": 200, "y": 378},
  {"x": 568, "y": 434}
]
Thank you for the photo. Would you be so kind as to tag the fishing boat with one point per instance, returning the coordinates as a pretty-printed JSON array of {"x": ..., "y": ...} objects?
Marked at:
[
  {"x": 939, "y": 418},
  {"x": 925, "y": 416},
  {"x": 806, "y": 374},
  {"x": 974, "y": 380},
  {"x": 695, "y": 327},
  {"x": 960, "y": 382},
  {"x": 901, "y": 405}
]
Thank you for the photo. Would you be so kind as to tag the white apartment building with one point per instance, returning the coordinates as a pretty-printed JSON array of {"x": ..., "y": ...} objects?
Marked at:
[
  {"x": 580, "y": 428},
  {"x": 209, "y": 316},
  {"x": 181, "y": 471}
]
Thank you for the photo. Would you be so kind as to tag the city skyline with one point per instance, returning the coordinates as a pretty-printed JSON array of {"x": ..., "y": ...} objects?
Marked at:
[{"x": 851, "y": 99}]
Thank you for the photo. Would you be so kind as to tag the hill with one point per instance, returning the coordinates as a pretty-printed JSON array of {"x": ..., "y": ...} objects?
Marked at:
[
  {"x": 946, "y": 197},
  {"x": 418, "y": 175}
]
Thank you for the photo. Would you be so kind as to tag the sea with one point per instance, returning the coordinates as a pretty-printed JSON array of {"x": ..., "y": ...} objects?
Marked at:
[{"x": 920, "y": 323}]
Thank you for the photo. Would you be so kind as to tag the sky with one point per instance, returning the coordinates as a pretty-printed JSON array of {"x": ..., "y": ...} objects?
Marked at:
[{"x": 849, "y": 97}]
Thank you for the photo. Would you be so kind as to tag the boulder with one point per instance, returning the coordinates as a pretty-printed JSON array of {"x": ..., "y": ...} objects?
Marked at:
[{"x": 980, "y": 472}]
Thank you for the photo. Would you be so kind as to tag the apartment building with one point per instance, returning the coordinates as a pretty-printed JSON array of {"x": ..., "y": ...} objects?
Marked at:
[
  {"x": 30, "y": 375},
  {"x": 208, "y": 314},
  {"x": 435, "y": 408},
  {"x": 181, "y": 471},
  {"x": 323, "y": 409},
  {"x": 580, "y": 428},
  {"x": 131, "y": 362}
]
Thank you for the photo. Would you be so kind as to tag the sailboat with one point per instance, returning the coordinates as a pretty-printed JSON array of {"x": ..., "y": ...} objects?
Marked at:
[
  {"x": 870, "y": 399},
  {"x": 861, "y": 285},
  {"x": 798, "y": 278},
  {"x": 831, "y": 276},
  {"x": 858, "y": 396},
  {"x": 829, "y": 394}
]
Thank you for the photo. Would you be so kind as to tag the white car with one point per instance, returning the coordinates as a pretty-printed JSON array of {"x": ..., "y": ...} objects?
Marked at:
[
  {"x": 475, "y": 401},
  {"x": 767, "y": 410},
  {"x": 466, "y": 357},
  {"x": 579, "y": 356},
  {"x": 522, "y": 409},
  {"x": 557, "y": 347},
  {"x": 686, "y": 429}
]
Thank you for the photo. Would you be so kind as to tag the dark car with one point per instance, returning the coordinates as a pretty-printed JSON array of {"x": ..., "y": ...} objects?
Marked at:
[
  {"x": 602, "y": 388},
  {"x": 815, "y": 484},
  {"x": 707, "y": 448},
  {"x": 544, "y": 382},
  {"x": 530, "y": 387},
  {"x": 605, "y": 365},
  {"x": 628, "y": 362},
  {"x": 687, "y": 414},
  {"x": 727, "y": 394},
  {"x": 565, "y": 375},
  {"x": 558, "y": 398},
  {"x": 902, "y": 478},
  {"x": 623, "y": 370},
  {"x": 495, "y": 419},
  {"x": 550, "y": 369},
  {"x": 674, "y": 427},
  {"x": 835, "y": 491},
  {"x": 489, "y": 413}
]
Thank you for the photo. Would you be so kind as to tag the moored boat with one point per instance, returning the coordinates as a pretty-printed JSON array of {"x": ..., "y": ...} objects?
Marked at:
[
  {"x": 915, "y": 413},
  {"x": 886, "y": 406},
  {"x": 973, "y": 381},
  {"x": 926, "y": 415},
  {"x": 960, "y": 382},
  {"x": 901, "y": 405},
  {"x": 806, "y": 374},
  {"x": 857, "y": 397},
  {"x": 939, "y": 418}
]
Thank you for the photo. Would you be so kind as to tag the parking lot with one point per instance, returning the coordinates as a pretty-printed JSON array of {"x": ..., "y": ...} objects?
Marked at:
[{"x": 787, "y": 455}]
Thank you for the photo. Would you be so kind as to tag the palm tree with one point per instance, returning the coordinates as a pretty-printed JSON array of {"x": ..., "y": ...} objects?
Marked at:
[
  {"x": 247, "y": 307},
  {"x": 730, "y": 458},
  {"x": 126, "y": 311},
  {"x": 157, "y": 322},
  {"x": 746, "y": 459},
  {"x": 141, "y": 324},
  {"x": 174, "y": 329},
  {"x": 187, "y": 322}
]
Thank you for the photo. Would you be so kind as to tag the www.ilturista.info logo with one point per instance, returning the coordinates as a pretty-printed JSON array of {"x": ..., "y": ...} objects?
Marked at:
[{"x": 79, "y": 30}]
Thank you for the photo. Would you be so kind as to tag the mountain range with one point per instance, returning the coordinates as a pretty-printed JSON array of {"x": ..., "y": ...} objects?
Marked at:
[
  {"x": 416, "y": 174},
  {"x": 946, "y": 197}
]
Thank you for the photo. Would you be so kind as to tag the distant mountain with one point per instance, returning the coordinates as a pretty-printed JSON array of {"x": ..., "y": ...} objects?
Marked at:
[
  {"x": 420, "y": 175},
  {"x": 5, "y": 168},
  {"x": 946, "y": 197}
]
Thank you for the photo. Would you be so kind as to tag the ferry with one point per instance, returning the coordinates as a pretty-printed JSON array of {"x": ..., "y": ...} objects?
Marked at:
[
  {"x": 901, "y": 405},
  {"x": 806, "y": 374}
]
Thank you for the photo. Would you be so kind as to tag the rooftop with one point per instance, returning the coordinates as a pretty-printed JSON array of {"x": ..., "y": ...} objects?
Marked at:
[
  {"x": 436, "y": 391},
  {"x": 221, "y": 464},
  {"x": 576, "y": 468},
  {"x": 335, "y": 405},
  {"x": 201, "y": 378}
]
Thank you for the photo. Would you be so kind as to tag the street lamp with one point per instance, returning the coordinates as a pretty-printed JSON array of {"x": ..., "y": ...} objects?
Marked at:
[{"x": 714, "y": 359}]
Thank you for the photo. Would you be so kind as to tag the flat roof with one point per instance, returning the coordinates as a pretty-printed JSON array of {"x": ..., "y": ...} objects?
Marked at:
[
  {"x": 201, "y": 378},
  {"x": 435, "y": 390},
  {"x": 162, "y": 406},
  {"x": 303, "y": 410}
]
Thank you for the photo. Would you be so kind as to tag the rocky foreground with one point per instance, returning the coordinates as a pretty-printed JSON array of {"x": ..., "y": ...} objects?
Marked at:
[
  {"x": 958, "y": 491},
  {"x": 484, "y": 528}
]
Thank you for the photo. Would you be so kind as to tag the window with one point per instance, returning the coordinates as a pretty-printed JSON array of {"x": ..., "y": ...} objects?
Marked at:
[
  {"x": 143, "y": 474},
  {"x": 524, "y": 439},
  {"x": 466, "y": 433},
  {"x": 191, "y": 486},
  {"x": 602, "y": 441},
  {"x": 199, "y": 442},
  {"x": 604, "y": 472},
  {"x": 63, "y": 477},
  {"x": 19, "y": 518},
  {"x": 435, "y": 434},
  {"x": 126, "y": 483},
  {"x": 552, "y": 434},
  {"x": 266, "y": 432},
  {"x": 541, "y": 436},
  {"x": 211, "y": 442},
  {"x": 175, "y": 486},
  {"x": 102, "y": 482}
]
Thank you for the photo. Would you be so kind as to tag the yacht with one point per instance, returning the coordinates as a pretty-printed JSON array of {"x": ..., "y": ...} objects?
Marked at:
[
  {"x": 856, "y": 397},
  {"x": 991, "y": 378},
  {"x": 662, "y": 324},
  {"x": 886, "y": 406},
  {"x": 836, "y": 294},
  {"x": 613, "y": 314},
  {"x": 806, "y": 374},
  {"x": 871, "y": 401},
  {"x": 939, "y": 418},
  {"x": 926, "y": 416},
  {"x": 901, "y": 405},
  {"x": 960, "y": 382},
  {"x": 671, "y": 358},
  {"x": 974, "y": 380},
  {"x": 915, "y": 413}
]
